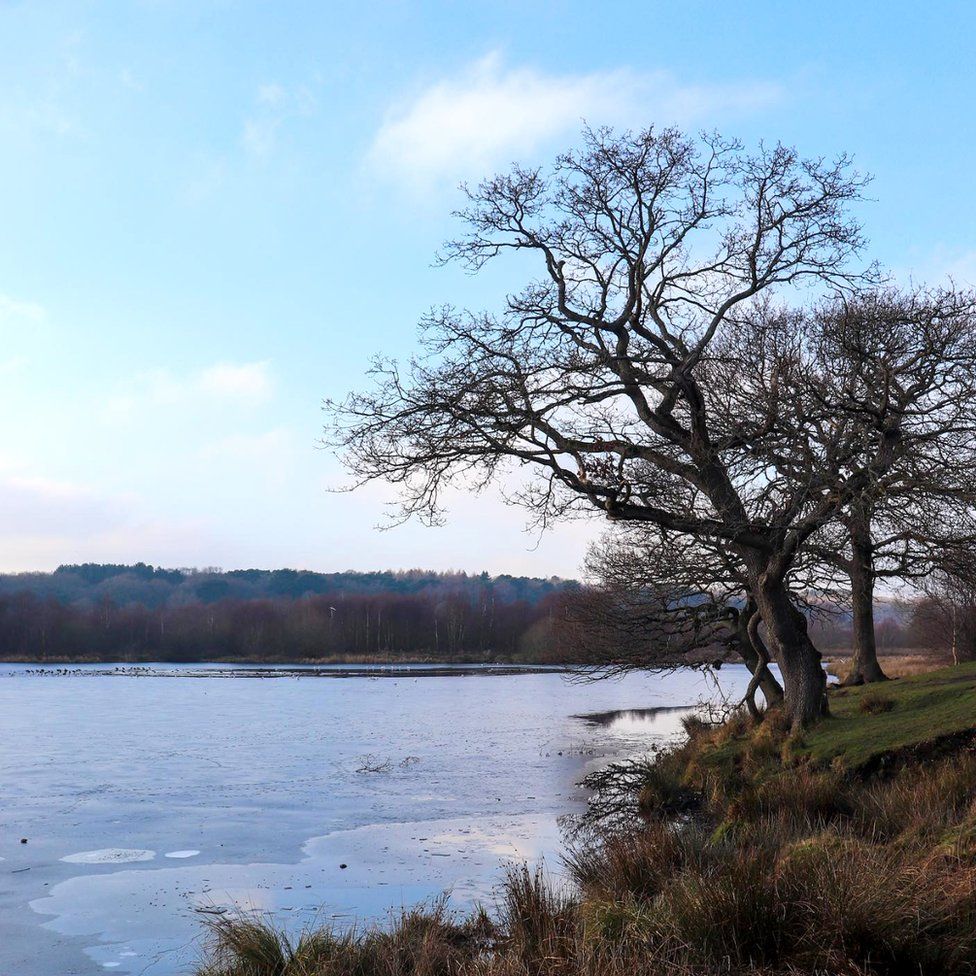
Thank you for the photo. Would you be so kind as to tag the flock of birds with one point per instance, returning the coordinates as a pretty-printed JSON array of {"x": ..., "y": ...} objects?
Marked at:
[{"x": 134, "y": 669}]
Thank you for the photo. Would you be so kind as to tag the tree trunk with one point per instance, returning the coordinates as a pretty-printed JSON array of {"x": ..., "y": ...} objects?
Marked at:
[
  {"x": 864, "y": 660},
  {"x": 804, "y": 681},
  {"x": 955, "y": 636},
  {"x": 756, "y": 657}
]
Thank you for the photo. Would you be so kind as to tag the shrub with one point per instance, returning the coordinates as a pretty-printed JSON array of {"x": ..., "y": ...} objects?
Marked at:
[
  {"x": 422, "y": 942},
  {"x": 662, "y": 793},
  {"x": 807, "y": 796},
  {"x": 856, "y": 902},
  {"x": 917, "y": 803},
  {"x": 626, "y": 867},
  {"x": 721, "y": 911}
]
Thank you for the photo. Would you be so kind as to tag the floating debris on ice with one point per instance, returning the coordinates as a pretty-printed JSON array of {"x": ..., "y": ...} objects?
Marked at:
[
  {"x": 181, "y": 854},
  {"x": 109, "y": 855}
]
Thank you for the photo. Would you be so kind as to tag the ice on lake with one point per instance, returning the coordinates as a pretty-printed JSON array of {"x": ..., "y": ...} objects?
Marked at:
[
  {"x": 254, "y": 792},
  {"x": 109, "y": 855}
]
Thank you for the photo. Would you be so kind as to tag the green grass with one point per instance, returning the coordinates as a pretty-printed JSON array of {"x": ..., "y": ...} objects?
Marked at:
[
  {"x": 870, "y": 722},
  {"x": 923, "y": 709}
]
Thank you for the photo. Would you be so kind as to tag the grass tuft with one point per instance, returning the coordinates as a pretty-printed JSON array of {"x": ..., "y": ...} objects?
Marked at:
[{"x": 875, "y": 704}]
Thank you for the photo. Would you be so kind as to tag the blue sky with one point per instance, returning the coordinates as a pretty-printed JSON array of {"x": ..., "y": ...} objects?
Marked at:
[{"x": 213, "y": 213}]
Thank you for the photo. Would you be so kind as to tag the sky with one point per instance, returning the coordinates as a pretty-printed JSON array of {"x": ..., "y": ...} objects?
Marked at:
[{"x": 213, "y": 213}]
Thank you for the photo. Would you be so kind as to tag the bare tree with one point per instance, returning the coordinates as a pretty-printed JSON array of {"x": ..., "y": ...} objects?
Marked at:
[
  {"x": 877, "y": 384},
  {"x": 899, "y": 366},
  {"x": 659, "y": 599},
  {"x": 595, "y": 376},
  {"x": 945, "y": 616}
]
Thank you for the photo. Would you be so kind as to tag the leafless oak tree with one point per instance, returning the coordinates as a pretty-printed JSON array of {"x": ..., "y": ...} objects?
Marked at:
[
  {"x": 899, "y": 366},
  {"x": 829, "y": 385},
  {"x": 595, "y": 376}
]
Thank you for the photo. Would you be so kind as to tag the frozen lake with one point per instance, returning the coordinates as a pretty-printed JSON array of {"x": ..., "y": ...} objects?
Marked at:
[{"x": 149, "y": 799}]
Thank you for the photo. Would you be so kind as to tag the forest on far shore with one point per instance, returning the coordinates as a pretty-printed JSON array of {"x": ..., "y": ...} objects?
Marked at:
[
  {"x": 99, "y": 612},
  {"x": 144, "y": 613}
]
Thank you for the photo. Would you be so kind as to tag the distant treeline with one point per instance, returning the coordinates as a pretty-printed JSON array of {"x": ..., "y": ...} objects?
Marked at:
[
  {"x": 115, "y": 612},
  {"x": 142, "y": 613}
]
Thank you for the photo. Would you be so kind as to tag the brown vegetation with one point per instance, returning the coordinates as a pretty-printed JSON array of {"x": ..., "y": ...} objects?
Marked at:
[
  {"x": 897, "y": 663},
  {"x": 227, "y": 616},
  {"x": 781, "y": 864}
]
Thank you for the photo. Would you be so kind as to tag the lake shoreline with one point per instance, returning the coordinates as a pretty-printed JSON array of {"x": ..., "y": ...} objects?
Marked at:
[
  {"x": 351, "y": 660},
  {"x": 794, "y": 854},
  {"x": 219, "y": 669}
]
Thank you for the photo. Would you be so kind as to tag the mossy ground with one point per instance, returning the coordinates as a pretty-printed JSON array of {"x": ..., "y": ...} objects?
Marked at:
[
  {"x": 872, "y": 723},
  {"x": 924, "y": 708}
]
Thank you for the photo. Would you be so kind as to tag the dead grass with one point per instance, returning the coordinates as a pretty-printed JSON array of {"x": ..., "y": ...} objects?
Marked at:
[
  {"x": 901, "y": 663},
  {"x": 787, "y": 857},
  {"x": 427, "y": 941},
  {"x": 875, "y": 703}
]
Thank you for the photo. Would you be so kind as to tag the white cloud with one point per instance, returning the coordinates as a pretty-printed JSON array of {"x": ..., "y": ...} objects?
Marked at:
[
  {"x": 13, "y": 308},
  {"x": 275, "y": 105},
  {"x": 244, "y": 381},
  {"x": 45, "y": 522},
  {"x": 223, "y": 382},
  {"x": 272, "y": 94},
  {"x": 259, "y": 135},
  {"x": 32, "y": 507},
  {"x": 462, "y": 126}
]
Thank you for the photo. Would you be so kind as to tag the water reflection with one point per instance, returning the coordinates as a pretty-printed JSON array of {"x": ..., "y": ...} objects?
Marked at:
[
  {"x": 343, "y": 877},
  {"x": 636, "y": 717}
]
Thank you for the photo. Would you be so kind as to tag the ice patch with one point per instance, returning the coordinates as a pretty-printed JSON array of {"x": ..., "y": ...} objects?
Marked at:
[
  {"x": 109, "y": 855},
  {"x": 181, "y": 854}
]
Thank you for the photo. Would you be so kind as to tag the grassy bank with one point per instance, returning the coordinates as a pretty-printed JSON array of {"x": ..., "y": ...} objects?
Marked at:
[
  {"x": 900, "y": 663},
  {"x": 876, "y": 724},
  {"x": 851, "y": 850}
]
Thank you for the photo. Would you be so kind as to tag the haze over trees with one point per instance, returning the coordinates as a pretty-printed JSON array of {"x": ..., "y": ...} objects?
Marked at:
[{"x": 700, "y": 351}]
